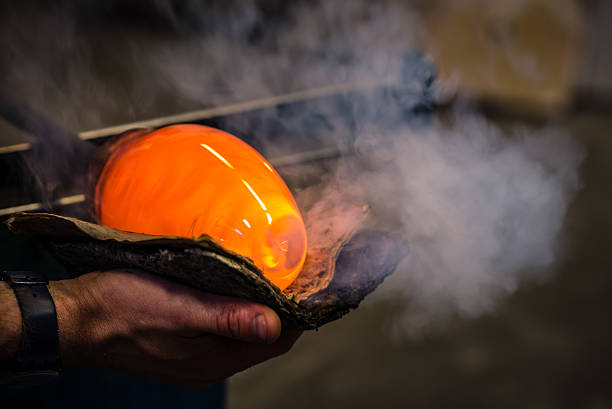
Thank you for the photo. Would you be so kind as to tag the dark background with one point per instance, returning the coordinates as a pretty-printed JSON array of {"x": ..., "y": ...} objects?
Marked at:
[{"x": 87, "y": 65}]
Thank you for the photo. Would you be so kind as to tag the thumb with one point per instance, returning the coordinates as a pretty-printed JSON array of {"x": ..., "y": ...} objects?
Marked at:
[{"x": 234, "y": 318}]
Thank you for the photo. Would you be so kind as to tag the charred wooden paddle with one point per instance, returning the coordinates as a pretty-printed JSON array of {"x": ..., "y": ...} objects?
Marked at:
[{"x": 343, "y": 263}]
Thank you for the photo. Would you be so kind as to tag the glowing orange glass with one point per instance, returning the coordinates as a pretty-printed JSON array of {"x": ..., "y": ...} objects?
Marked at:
[{"x": 187, "y": 180}]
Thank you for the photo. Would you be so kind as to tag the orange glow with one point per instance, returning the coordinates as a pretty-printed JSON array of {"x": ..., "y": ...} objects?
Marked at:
[{"x": 187, "y": 180}]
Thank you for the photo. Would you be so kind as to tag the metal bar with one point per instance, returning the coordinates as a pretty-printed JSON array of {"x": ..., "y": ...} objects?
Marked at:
[
  {"x": 208, "y": 113},
  {"x": 278, "y": 162},
  {"x": 32, "y": 122},
  {"x": 232, "y": 109},
  {"x": 64, "y": 201},
  {"x": 18, "y": 147},
  {"x": 308, "y": 156}
]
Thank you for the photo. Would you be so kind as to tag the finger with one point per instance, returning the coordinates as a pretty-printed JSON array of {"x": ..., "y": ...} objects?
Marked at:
[
  {"x": 230, "y": 317},
  {"x": 186, "y": 311}
]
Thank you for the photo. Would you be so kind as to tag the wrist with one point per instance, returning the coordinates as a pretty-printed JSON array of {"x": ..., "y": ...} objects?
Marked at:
[
  {"x": 76, "y": 317},
  {"x": 10, "y": 322},
  {"x": 36, "y": 360}
]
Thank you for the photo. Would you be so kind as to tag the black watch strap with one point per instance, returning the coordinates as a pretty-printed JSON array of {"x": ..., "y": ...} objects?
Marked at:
[{"x": 39, "y": 349}]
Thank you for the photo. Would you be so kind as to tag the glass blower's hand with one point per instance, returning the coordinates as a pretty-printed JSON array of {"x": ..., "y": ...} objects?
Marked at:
[{"x": 157, "y": 329}]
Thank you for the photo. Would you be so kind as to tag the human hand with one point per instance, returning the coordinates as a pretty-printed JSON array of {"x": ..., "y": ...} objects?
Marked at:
[{"x": 164, "y": 331}]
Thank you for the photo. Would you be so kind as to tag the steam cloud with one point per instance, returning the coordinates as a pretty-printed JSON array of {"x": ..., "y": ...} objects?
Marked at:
[{"x": 481, "y": 208}]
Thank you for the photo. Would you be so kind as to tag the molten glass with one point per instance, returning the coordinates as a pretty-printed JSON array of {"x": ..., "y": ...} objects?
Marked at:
[{"x": 188, "y": 180}]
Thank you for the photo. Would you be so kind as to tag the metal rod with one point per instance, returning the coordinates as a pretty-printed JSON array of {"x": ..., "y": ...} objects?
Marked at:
[
  {"x": 286, "y": 160},
  {"x": 67, "y": 200},
  {"x": 29, "y": 120},
  {"x": 231, "y": 109},
  {"x": 208, "y": 113},
  {"x": 278, "y": 162},
  {"x": 18, "y": 147}
]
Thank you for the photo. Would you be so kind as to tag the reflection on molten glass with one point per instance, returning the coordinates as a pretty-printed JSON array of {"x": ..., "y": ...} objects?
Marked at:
[{"x": 188, "y": 180}]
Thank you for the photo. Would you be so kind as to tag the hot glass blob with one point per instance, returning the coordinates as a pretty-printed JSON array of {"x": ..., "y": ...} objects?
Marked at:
[{"x": 189, "y": 180}]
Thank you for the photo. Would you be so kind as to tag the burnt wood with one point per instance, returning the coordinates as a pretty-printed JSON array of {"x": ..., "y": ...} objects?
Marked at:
[{"x": 343, "y": 263}]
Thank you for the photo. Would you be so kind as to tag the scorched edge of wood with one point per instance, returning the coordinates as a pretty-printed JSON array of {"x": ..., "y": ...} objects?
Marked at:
[{"x": 344, "y": 261}]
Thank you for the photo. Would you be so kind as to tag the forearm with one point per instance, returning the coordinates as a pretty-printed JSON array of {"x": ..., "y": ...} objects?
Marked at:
[
  {"x": 10, "y": 323},
  {"x": 74, "y": 319}
]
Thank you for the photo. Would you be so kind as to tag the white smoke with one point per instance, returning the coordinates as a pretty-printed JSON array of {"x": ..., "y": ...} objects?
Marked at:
[{"x": 481, "y": 208}]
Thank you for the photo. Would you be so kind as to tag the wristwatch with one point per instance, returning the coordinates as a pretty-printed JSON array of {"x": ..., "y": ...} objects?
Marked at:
[{"x": 37, "y": 360}]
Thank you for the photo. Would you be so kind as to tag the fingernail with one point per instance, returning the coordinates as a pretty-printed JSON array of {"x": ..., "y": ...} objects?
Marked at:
[{"x": 261, "y": 327}]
